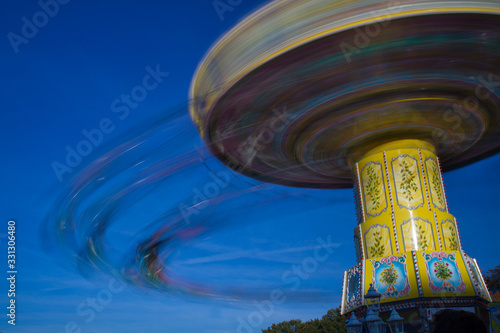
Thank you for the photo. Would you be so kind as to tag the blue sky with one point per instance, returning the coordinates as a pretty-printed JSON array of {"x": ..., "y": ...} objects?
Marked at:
[{"x": 64, "y": 78}]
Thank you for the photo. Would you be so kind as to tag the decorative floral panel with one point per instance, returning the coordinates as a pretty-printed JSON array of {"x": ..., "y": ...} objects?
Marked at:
[
  {"x": 373, "y": 185},
  {"x": 443, "y": 273},
  {"x": 449, "y": 234},
  {"x": 435, "y": 183},
  {"x": 378, "y": 241},
  {"x": 418, "y": 235},
  {"x": 390, "y": 277},
  {"x": 408, "y": 185}
]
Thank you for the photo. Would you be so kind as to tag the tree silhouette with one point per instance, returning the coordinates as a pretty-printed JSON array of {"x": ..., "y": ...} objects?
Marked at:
[
  {"x": 331, "y": 322},
  {"x": 492, "y": 278}
]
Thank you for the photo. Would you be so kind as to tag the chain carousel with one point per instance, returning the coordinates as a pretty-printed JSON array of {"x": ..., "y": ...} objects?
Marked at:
[{"x": 376, "y": 96}]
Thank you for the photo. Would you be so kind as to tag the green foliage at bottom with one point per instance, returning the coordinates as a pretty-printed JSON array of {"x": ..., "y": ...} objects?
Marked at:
[{"x": 331, "y": 322}]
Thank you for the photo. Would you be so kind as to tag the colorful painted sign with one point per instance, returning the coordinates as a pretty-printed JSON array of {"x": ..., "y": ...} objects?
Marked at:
[
  {"x": 390, "y": 277},
  {"x": 443, "y": 273}
]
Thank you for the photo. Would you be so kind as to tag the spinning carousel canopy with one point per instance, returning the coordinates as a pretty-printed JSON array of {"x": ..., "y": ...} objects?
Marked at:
[{"x": 299, "y": 90}]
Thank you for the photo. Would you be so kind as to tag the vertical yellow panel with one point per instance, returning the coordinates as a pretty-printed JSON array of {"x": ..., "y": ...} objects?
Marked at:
[
  {"x": 407, "y": 182},
  {"x": 435, "y": 183},
  {"x": 373, "y": 185},
  {"x": 418, "y": 234},
  {"x": 378, "y": 241},
  {"x": 449, "y": 235}
]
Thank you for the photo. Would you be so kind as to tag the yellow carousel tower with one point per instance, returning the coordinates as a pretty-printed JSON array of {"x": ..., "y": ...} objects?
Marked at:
[{"x": 407, "y": 243}]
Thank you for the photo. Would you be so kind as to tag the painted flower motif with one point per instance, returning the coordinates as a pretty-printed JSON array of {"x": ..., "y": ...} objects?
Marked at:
[
  {"x": 436, "y": 183},
  {"x": 378, "y": 248},
  {"x": 389, "y": 275},
  {"x": 373, "y": 186},
  {"x": 442, "y": 271},
  {"x": 452, "y": 240},
  {"x": 408, "y": 184}
]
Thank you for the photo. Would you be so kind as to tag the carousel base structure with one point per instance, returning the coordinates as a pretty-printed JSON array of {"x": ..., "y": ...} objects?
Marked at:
[
  {"x": 418, "y": 303},
  {"x": 407, "y": 243}
]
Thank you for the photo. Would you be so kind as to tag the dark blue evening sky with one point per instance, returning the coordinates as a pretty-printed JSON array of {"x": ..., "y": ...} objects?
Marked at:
[{"x": 64, "y": 78}]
